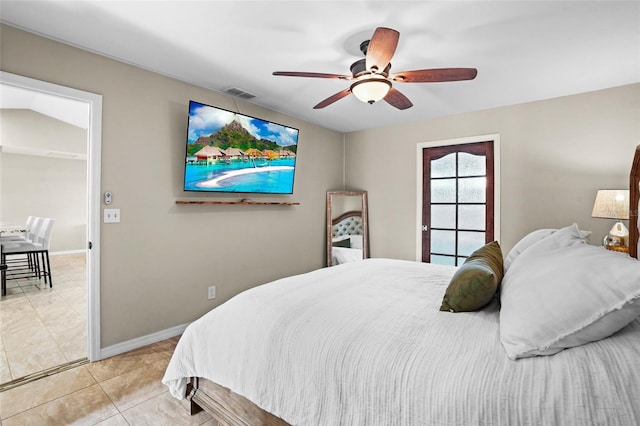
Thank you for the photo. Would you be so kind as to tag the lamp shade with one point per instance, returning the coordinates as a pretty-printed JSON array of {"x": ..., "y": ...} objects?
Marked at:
[
  {"x": 371, "y": 90},
  {"x": 611, "y": 204}
]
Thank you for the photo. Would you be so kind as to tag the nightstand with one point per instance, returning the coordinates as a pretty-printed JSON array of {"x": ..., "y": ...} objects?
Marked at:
[{"x": 620, "y": 249}]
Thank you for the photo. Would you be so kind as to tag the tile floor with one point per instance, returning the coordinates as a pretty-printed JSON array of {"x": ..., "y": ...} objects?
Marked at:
[
  {"x": 42, "y": 327},
  {"x": 122, "y": 390}
]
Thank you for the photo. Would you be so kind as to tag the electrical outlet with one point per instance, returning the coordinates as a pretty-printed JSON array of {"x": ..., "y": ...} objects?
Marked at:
[{"x": 211, "y": 294}]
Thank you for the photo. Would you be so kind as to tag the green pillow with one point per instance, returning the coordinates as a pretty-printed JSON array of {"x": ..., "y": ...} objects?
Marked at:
[
  {"x": 342, "y": 243},
  {"x": 476, "y": 281}
]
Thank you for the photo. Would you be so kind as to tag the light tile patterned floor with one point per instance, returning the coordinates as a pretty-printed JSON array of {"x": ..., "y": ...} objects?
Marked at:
[
  {"x": 42, "y": 327},
  {"x": 122, "y": 390}
]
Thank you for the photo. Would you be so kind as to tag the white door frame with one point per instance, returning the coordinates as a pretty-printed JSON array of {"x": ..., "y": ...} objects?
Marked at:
[
  {"x": 496, "y": 181},
  {"x": 94, "y": 139}
]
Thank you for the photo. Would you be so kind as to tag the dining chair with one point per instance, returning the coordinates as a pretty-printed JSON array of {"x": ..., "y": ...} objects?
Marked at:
[
  {"x": 33, "y": 226},
  {"x": 34, "y": 229},
  {"x": 33, "y": 257}
]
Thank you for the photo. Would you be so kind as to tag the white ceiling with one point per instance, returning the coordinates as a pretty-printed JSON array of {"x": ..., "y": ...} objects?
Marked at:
[
  {"x": 523, "y": 50},
  {"x": 64, "y": 109}
]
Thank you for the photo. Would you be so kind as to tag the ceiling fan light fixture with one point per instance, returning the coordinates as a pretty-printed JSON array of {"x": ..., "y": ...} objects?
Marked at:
[
  {"x": 371, "y": 75},
  {"x": 371, "y": 90}
]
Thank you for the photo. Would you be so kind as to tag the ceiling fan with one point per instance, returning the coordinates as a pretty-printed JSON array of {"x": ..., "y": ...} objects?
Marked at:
[{"x": 372, "y": 80}]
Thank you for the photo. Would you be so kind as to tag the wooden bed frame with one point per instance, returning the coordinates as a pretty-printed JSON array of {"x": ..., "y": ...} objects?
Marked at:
[
  {"x": 634, "y": 204},
  {"x": 226, "y": 406},
  {"x": 232, "y": 409}
]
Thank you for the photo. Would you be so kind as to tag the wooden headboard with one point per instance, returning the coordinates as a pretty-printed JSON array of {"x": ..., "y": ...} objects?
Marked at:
[{"x": 634, "y": 204}]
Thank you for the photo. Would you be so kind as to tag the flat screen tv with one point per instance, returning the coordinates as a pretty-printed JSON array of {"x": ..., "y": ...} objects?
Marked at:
[{"x": 231, "y": 152}]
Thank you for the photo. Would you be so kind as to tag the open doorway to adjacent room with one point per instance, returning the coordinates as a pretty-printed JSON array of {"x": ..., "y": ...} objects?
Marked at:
[{"x": 50, "y": 167}]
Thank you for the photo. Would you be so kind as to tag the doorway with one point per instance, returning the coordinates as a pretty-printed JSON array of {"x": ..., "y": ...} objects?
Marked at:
[{"x": 93, "y": 117}]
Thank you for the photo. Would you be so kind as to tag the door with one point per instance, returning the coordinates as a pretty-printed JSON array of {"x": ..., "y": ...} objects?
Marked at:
[{"x": 457, "y": 201}]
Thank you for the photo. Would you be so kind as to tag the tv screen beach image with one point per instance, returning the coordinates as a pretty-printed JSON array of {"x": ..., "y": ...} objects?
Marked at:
[{"x": 231, "y": 152}]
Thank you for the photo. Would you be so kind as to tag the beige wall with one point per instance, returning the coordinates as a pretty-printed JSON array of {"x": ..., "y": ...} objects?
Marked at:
[
  {"x": 555, "y": 154},
  {"x": 157, "y": 263},
  {"x": 39, "y": 185}
]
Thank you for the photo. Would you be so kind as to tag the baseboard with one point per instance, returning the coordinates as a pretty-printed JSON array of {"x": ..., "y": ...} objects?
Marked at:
[
  {"x": 139, "y": 342},
  {"x": 57, "y": 253}
]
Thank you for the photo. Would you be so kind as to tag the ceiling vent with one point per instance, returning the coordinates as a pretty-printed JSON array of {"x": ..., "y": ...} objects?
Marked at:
[{"x": 238, "y": 93}]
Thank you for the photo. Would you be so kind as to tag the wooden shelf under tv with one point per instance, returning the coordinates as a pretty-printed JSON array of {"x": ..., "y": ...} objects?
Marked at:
[{"x": 245, "y": 202}]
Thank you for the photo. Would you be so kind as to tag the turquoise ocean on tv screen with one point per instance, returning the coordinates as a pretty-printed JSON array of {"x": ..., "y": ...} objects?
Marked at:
[{"x": 253, "y": 176}]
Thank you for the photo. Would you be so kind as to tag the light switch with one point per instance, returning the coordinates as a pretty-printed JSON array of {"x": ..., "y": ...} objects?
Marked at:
[{"x": 111, "y": 215}]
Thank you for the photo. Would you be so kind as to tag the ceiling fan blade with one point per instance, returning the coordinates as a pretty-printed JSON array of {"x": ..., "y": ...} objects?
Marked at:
[
  {"x": 312, "y": 74},
  {"x": 435, "y": 75},
  {"x": 333, "y": 98},
  {"x": 381, "y": 48},
  {"x": 397, "y": 99}
]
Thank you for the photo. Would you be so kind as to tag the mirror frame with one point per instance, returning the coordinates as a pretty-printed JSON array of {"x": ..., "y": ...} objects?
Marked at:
[{"x": 365, "y": 221}]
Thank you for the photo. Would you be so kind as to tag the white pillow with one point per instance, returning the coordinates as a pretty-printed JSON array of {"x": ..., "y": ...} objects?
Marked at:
[
  {"x": 529, "y": 240},
  {"x": 563, "y": 292},
  {"x": 526, "y": 242},
  {"x": 356, "y": 241}
]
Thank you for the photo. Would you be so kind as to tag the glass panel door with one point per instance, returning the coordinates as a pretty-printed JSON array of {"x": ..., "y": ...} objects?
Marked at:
[{"x": 457, "y": 201}]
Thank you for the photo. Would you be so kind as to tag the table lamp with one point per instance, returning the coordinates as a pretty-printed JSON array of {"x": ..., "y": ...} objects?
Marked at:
[{"x": 613, "y": 204}]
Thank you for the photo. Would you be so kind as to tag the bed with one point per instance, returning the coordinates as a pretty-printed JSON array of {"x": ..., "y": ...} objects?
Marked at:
[
  {"x": 346, "y": 238},
  {"x": 369, "y": 343}
]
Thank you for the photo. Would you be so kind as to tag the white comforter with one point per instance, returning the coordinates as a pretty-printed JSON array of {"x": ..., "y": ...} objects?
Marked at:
[{"x": 364, "y": 343}]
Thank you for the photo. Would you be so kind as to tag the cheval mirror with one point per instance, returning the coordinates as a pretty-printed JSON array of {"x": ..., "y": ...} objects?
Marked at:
[{"x": 347, "y": 227}]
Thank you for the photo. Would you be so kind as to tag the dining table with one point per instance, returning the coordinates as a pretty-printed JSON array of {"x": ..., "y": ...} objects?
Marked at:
[{"x": 10, "y": 228}]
